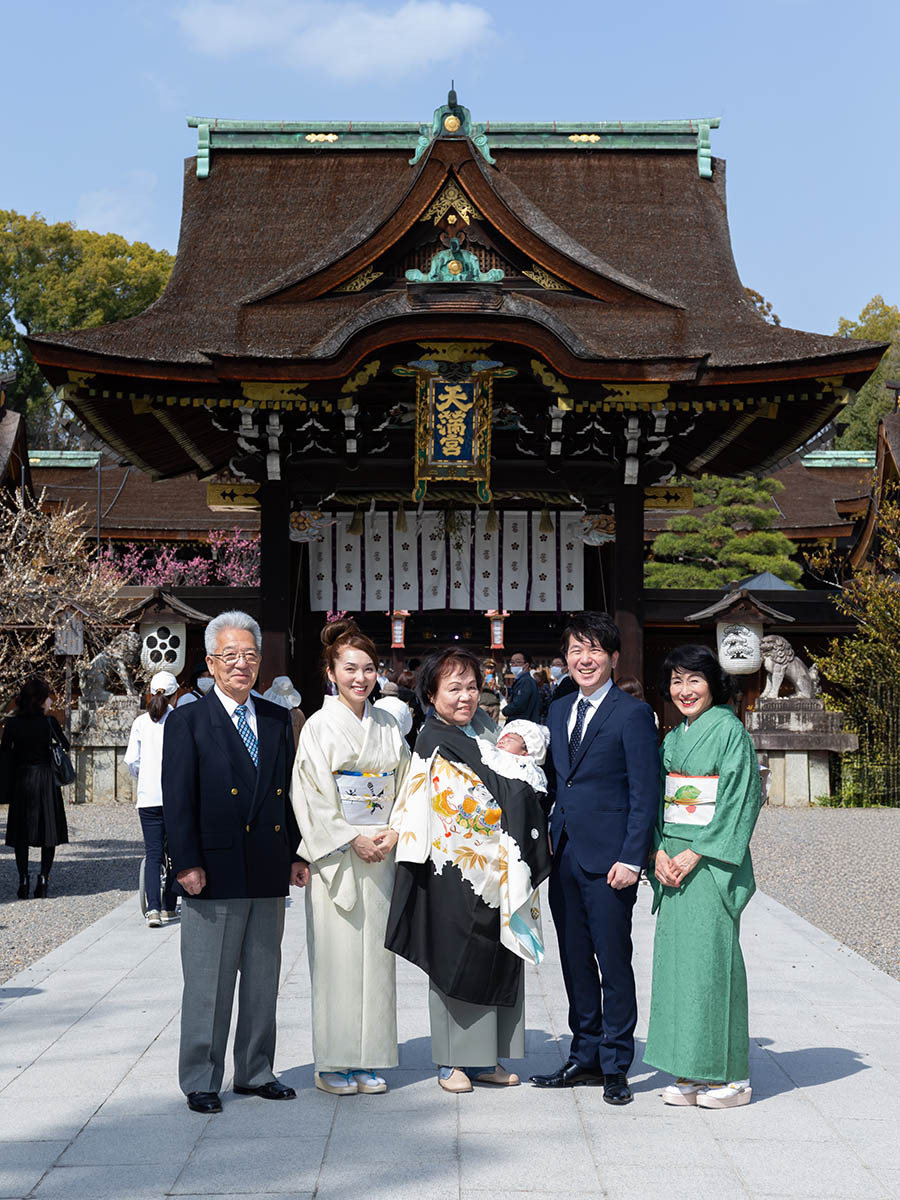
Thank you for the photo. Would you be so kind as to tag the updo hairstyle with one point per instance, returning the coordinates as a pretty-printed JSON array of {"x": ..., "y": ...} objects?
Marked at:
[
  {"x": 441, "y": 663},
  {"x": 701, "y": 661},
  {"x": 337, "y": 636}
]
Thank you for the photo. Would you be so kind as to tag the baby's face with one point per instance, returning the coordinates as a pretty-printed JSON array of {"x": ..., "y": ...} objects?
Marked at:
[{"x": 513, "y": 743}]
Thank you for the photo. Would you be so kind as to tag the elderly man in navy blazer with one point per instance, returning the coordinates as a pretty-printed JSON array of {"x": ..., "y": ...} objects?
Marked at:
[
  {"x": 232, "y": 838},
  {"x": 603, "y": 777}
]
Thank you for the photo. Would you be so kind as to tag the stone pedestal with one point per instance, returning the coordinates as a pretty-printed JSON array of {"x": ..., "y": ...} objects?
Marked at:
[
  {"x": 99, "y": 741},
  {"x": 793, "y": 737}
]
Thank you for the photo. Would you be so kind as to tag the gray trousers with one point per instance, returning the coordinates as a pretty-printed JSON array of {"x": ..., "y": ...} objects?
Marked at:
[
  {"x": 475, "y": 1035},
  {"x": 220, "y": 938}
]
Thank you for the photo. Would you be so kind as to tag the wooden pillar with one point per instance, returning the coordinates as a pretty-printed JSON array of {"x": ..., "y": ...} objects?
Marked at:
[
  {"x": 628, "y": 587},
  {"x": 274, "y": 578},
  {"x": 307, "y": 640}
]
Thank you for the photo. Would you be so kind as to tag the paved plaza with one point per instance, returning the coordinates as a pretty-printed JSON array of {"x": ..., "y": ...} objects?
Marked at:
[{"x": 89, "y": 1104}]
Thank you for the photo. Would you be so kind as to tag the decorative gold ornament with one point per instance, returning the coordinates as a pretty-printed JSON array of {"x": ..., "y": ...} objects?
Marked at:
[
  {"x": 363, "y": 376},
  {"x": 553, "y": 383},
  {"x": 456, "y": 352},
  {"x": 452, "y": 123},
  {"x": 454, "y": 266},
  {"x": 262, "y": 392},
  {"x": 361, "y": 281},
  {"x": 452, "y": 218},
  {"x": 451, "y": 196},
  {"x": 584, "y": 137},
  {"x": 321, "y": 137},
  {"x": 547, "y": 281}
]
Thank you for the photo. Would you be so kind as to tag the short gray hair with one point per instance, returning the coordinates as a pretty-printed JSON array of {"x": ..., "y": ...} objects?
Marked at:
[{"x": 234, "y": 619}]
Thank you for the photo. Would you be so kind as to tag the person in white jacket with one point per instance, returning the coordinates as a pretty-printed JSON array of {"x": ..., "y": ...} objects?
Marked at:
[{"x": 144, "y": 759}]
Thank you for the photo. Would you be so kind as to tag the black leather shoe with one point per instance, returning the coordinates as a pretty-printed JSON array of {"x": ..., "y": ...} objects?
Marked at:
[
  {"x": 41, "y": 888},
  {"x": 204, "y": 1102},
  {"x": 274, "y": 1090},
  {"x": 616, "y": 1089},
  {"x": 570, "y": 1075},
  {"x": 24, "y": 887}
]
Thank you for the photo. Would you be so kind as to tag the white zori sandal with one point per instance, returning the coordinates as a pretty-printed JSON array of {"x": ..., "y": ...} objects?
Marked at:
[
  {"x": 337, "y": 1083},
  {"x": 683, "y": 1091},
  {"x": 368, "y": 1082},
  {"x": 726, "y": 1095}
]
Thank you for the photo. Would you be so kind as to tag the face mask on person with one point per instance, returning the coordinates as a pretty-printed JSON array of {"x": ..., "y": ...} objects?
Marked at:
[
  {"x": 517, "y": 671},
  {"x": 555, "y": 672},
  {"x": 205, "y": 683}
]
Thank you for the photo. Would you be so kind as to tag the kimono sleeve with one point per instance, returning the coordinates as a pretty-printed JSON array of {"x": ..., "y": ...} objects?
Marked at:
[
  {"x": 401, "y": 779},
  {"x": 315, "y": 800},
  {"x": 727, "y": 836}
]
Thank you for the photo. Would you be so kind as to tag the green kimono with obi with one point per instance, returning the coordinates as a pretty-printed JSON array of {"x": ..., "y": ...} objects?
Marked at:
[{"x": 698, "y": 1005}]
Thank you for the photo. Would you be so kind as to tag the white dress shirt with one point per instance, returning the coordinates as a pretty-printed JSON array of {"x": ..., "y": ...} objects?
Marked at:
[
  {"x": 594, "y": 700},
  {"x": 231, "y": 705}
]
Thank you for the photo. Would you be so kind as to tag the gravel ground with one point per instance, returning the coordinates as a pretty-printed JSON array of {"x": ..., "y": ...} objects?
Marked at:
[
  {"x": 97, "y": 870},
  {"x": 837, "y": 868},
  {"x": 834, "y": 866}
]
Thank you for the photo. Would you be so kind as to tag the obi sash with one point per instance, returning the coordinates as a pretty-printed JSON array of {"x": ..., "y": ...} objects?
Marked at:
[
  {"x": 366, "y": 796},
  {"x": 690, "y": 799}
]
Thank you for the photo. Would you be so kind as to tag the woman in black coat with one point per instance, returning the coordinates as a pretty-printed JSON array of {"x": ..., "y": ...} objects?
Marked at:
[{"x": 37, "y": 816}]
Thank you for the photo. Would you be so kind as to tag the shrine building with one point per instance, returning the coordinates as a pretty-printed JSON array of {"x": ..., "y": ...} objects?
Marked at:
[{"x": 449, "y": 364}]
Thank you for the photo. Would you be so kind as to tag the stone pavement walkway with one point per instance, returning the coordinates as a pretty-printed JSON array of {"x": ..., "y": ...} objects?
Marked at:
[{"x": 89, "y": 1104}]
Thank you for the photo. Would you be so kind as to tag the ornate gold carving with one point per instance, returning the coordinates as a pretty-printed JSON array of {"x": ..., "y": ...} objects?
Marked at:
[
  {"x": 634, "y": 394},
  {"x": 264, "y": 393},
  {"x": 454, "y": 266},
  {"x": 547, "y": 281},
  {"x": 80, "y": 378},
  {"x": 361, "y": 378},
  {"x": 361, "y": 281},
  {"x": 584, "y": 137},
  {"x": 451, "y": 196},
  {"x": 321, "y": 137},
  {"x": 232, "y": 496},
  {"x": 452, "y": 123},
  {"x": 456, "y": 352},
  {"x": 553, "y": 383}
]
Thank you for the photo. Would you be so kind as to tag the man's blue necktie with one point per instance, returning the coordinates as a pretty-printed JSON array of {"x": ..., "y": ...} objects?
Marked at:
[
  {"x": 248, "y": 737},
  {"x": 575, "y": 739}
]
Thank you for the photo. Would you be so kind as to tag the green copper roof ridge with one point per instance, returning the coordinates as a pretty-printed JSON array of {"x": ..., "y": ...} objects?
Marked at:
[{"x": 685, "y": 125}]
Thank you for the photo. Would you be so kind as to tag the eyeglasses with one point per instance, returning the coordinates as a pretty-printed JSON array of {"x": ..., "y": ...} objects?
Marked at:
[{"x": 230, "y": 659}]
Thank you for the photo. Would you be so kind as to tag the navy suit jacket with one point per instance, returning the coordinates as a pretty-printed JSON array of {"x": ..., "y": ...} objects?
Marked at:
[
  {"x": 608, "y": 800},
  {"x": 524, "y": 699},
  {"x": 221, "y": 812}
]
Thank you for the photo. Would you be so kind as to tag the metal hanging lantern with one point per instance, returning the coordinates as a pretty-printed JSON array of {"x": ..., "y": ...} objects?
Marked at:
[
  {"x": 497, "y": 620},
  {"x": 398, "y": 628}
]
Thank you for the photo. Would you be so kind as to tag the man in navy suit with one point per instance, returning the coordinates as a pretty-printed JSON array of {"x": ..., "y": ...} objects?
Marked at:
[
  {"x": 603, "y": 783},
  {"x": 524, "y": 698},
  {"x": 232, "y": 838}
]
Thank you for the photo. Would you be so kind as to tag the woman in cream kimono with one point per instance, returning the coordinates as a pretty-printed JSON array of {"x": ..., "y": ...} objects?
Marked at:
[
  {"x": 352, "y": 761},
  {"x": 702, "y": 880}
]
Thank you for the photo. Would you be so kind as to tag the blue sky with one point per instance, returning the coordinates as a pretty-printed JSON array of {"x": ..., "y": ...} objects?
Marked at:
[{"x": 95, "y": 97}]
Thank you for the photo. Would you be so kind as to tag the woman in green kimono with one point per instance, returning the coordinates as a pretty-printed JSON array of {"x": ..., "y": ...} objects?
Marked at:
[{"x": 702, "y": 879}]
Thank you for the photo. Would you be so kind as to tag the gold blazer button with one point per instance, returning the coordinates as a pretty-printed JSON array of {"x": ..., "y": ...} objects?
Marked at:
[
  {"x": 278, "y": 791},
  {"x": 278, "y": 829},
  {"x": 247, "y": 827},
  {"x": 234, "y": 791}
]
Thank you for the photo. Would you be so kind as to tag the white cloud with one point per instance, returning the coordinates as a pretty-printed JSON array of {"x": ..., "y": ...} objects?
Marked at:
[
  {"x": 126, "y": 210},
  {"x": 344, "y": 40}
]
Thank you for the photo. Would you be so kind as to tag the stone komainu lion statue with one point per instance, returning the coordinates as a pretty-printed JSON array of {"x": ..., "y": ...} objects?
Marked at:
[
  {"x": 118, "y": 659},
  {"x": 782, "y": 663}
]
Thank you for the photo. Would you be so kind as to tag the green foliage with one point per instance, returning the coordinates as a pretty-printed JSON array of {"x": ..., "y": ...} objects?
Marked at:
[
  {"x": 727, "y": 536},
  {"x": 863, "y": 670},
  {"x": 763, "y": 307},
  {"x": 878, "y": 322},
  {"x": 57, "y": 277}
]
